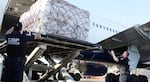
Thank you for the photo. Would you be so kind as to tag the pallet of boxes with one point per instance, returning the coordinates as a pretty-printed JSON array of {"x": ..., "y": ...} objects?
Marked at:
[{"x": 56, "y": 17}]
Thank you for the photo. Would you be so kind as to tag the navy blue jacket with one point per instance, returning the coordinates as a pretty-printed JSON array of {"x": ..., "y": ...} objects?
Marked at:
[{"x": 16, "y": 44}]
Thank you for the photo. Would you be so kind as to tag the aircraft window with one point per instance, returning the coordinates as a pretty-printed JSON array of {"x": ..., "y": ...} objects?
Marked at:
[
  {"x": 93, "y": 24},
  {"x": 100, "y": 26},
  {"x": 103, "y": 27},
  {"x": 96, "y": 25},
  {"x": 107, "y": 28},
  {"x": 110, "y": 29},
  {"x": 113, "y": 30}
]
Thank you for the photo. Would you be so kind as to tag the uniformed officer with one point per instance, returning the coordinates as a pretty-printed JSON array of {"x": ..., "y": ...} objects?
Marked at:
[
  {"x": 16, "y": 49},
  {"x": 124, "y": 66}
]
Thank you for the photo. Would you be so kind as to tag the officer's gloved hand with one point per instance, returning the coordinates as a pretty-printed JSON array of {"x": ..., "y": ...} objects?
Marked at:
[{"x": 37, "y": 36}]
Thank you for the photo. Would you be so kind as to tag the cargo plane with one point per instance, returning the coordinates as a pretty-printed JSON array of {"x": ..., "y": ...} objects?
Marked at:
[{"x": 103, "y": 35}]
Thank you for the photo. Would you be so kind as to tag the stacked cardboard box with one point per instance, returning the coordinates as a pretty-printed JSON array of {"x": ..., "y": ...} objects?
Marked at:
[{"x": 57, "y": 17}]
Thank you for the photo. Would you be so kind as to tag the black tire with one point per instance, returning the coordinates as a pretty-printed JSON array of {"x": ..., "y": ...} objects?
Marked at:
[
  {"x": 35, "y": 76},
  {"x": 110, "y": 78},
  {"x": 133, "y": 78},
  {"x": 77, "y": 77},
  {"x": 142, "y": 78},
  {"x": 117, "y": 78}
]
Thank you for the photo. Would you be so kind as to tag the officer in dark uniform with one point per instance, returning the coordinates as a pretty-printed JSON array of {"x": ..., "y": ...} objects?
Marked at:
[
  {"x": 124, "y": 66},
  {"x": 16, "y": 49},
  {"x": 123, "y": 60}
]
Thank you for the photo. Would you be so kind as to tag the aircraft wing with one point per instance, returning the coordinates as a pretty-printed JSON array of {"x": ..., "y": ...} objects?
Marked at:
[{"x": 136, "y": 39}]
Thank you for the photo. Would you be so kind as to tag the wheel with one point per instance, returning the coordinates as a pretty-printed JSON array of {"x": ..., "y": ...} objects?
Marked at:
[
  {"x": 111, "y": 78},
  {"x": 133, "y": 78},
  {"x": 142, "y": 78},
  {"x": 76, "y": 76},
  {"x": 35, "y": 76},
  {"x": 117, "y": 78}
]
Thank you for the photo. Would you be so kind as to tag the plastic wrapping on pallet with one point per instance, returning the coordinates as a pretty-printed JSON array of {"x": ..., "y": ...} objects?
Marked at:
[{"x": 56, "y": 17}]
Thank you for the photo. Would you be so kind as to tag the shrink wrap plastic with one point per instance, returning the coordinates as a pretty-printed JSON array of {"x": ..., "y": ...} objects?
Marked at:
[{"x": 56, "y": 17}]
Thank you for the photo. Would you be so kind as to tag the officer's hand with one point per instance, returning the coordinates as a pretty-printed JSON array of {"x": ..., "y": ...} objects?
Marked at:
[
  {"x": 116, "y": 59},
  {"x": 37, "y": 36},
  {"x": 9, "y": 31}
]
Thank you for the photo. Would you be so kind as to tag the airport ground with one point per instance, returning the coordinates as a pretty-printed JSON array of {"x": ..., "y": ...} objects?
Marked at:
[
  {"x": 93, "y": 79},
  {"x": 86, "y": 81}
]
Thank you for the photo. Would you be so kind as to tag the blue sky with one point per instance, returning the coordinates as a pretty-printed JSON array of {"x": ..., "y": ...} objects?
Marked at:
[{"x": 126, "y": 12}]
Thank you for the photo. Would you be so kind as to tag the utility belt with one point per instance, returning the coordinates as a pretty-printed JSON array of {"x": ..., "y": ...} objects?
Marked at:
[{"x": 20, "y": 60}]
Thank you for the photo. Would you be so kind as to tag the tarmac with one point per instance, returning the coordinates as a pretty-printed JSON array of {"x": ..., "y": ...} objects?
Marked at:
[
  {"x": 90, "y": 81},
  {"x": 84, "y": 80},
  {"x": 79, "y": 81}
]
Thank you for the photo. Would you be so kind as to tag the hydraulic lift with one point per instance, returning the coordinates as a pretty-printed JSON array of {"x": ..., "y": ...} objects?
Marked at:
[{"x": 48, "y": 46}]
